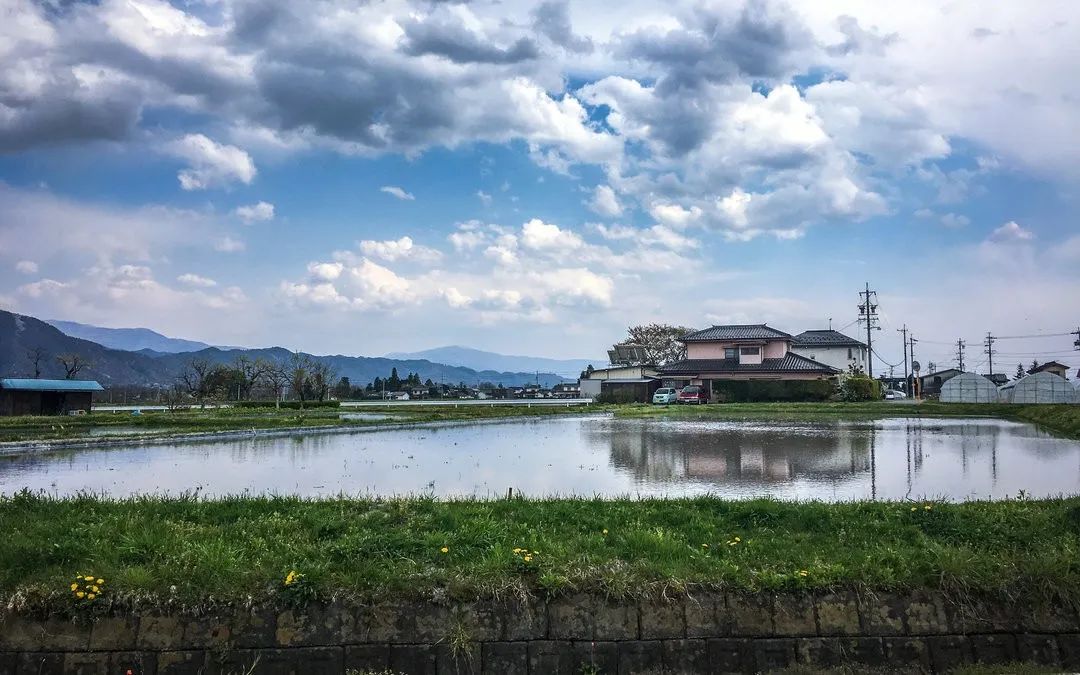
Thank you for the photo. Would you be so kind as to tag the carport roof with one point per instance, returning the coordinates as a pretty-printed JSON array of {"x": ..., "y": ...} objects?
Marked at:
[{"x": 27, "y": 384}]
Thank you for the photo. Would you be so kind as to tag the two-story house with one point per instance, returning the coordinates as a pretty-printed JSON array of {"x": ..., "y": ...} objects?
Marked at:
[
  {"x": 832, "y": 348},
  {"x": 742, "y": 352}
]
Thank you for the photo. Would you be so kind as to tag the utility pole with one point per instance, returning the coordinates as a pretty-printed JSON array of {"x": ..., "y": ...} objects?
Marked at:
[
  {"x": 915, "y": 373},
  {"x": 960, "y": 353},
  {"x": 904, "y": 343},
  {"x": 868, "y": 315},
  {"x": 989, "y": 344}
]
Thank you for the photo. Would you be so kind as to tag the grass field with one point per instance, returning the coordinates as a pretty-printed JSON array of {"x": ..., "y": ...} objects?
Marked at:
[{"x": 153, "y": 549}]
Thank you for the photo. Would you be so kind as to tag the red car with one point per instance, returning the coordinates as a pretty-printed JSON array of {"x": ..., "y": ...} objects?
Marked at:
[{"x": 694, "y": 394}]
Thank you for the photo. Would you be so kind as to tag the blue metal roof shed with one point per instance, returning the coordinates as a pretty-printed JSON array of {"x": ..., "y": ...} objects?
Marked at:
[
  {"x": 26, "y": 384},
  {"x": 22, "y": 396}
]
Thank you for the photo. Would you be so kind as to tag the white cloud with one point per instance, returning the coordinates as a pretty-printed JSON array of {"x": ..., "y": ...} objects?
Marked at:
[
  {"x": 541, "y": 236},
  {"x": 604, "y": 202},
  {"x": 1011, "y": 231},
  {"x": 255, "y": 212},
  {"x": 399, "y": 249},
  {"x": 395, "y": 191},
  {"x": 468, "y": 236},
  {"x": 229, "y": 245},
  {"x": 361, "y": 286},
  {"x": 26, "y": 267},
  {"x": 196, "y": 281},
  {"x": 212, "y": 164},
  {"x": 484, "y": 197}
]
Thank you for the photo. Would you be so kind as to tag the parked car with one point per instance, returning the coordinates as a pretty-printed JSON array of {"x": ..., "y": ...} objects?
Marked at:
[
  {"x": 665, "y": 395},
  {"x": 694, "y": 394},
  {"x": 894, "y": 395}
]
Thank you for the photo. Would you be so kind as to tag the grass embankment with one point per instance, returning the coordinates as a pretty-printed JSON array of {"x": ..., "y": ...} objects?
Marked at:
[
  {"x": 1061, "y": 419},
  {"x": 234, "y": 548},
  {"x": 209, "y": 420}
]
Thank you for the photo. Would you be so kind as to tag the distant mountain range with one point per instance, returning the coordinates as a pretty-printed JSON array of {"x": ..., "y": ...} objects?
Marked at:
[
  {"x": 128, "y": 339},
  {"x": 481, "y": 360},
  {"x": 20, "y": 334}
]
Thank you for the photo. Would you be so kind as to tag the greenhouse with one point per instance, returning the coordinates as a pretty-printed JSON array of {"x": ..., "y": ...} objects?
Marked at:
[
  {"x": 1039, "y": 388},
  {"x": 969, "y": 388}
]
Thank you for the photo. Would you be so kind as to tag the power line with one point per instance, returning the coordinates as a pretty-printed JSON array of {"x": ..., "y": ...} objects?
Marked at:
[
  {"x": 988, "y": 343},
  {"x": 960, "y": 344}
]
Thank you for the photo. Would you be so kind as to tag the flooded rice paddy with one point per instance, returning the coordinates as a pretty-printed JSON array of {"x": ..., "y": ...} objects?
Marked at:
[{"x": 829, "y": 460}]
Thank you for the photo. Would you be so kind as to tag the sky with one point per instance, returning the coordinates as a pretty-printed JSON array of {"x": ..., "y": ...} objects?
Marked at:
[{"x": 532, "y": 178}]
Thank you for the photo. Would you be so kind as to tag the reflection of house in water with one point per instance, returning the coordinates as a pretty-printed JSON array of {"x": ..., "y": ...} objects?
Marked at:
[{"x": 726, "y": 453}]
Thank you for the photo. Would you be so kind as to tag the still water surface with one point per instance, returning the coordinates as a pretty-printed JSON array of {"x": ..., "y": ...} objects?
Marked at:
[{"x": 829, "y": 460}]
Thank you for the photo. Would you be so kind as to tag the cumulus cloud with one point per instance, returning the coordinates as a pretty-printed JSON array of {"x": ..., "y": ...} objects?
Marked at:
[
  {"x": 26, "y": 267},
  {"x": 399, "y": 249},
  {"x": 484, "y": 197},
  {"x": 255, "y": 212},
  {"x": 395, "y": 191},
  {"x": 212, "y": 164},
  {"x": 604, "y": 202},
  {"x": 1011, "y": 231}
]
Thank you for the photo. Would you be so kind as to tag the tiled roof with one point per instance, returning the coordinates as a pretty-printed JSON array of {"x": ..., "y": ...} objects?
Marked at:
[
  {"x": 757, "y": 331},
  {"x": 26, "y": 384},
  {"x": 825, "y": 338},
  {"x": 792, "y": 363}
]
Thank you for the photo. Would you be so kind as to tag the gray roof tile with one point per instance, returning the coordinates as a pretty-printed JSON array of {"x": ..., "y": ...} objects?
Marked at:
[
  {"x": 825, "y": 338},
  {"x": 737, "y": 332},
  {"x": 792, "y": 363}
]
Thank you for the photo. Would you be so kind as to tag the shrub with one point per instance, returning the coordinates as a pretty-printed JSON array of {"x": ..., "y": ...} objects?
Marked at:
[
  {"x": 754, "y": 391},
  {"x": 860, "y": 388}
]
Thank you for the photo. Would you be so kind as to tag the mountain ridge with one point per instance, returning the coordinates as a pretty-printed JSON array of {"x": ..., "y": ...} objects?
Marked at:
[
  {"x": 20, "y": 334},
  {"x": 469, "y": 357}
]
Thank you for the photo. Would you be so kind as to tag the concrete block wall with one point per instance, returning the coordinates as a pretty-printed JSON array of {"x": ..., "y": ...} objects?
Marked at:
[{"x": 705, "y": 632}]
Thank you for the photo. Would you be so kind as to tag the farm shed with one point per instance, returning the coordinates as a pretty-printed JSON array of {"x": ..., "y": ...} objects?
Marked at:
[{"x": 45, "y": 397}]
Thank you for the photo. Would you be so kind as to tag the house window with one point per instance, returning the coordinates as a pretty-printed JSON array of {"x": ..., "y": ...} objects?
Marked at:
[
  {"x": 750, "y": 351},
  {"x": 849, "y": 354},
  {"x": 731, "y": 353}
]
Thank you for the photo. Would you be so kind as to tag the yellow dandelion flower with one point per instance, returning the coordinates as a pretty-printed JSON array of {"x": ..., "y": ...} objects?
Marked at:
[
  {"x": 704, "y": 546},
  {"x": 737, "y": 540},
  {"x": 74, "y": 587},
  {"x": 100, "y": 581},
  {"x": 444, "y": 549},
  {"x": 605, "y": 532},
  {"x": 928, "y": 507},
  {"x": 528, "y": 558},
  {"x": 913, "y": 508},
  {"x": 88, "y": 578},
  {"x": 517, "y": 550},
  {"x": 94, "y": 589},
  {"x": 80, "y": 595},
  {"x": 90, "y": 596}
]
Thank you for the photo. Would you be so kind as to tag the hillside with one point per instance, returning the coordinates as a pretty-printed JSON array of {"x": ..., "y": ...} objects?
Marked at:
[
  {"x": 19, "y": 335},
  {"x": 128, "y": 339},
  {"x": 481, "y": 360}
]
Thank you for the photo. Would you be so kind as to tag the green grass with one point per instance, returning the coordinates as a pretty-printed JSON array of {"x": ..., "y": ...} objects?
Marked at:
[{"x": 234, "y": 548}]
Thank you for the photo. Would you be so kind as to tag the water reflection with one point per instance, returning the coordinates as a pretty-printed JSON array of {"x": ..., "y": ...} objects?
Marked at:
[{"x": 830, "y": 460}]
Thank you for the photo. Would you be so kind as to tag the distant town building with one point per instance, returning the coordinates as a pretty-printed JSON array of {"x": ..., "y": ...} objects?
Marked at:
[
  {"x": 46, "y": 397},
  {"x": 930, "y": 384},
  {"x": 636, "y": 383},
  {"x": 1052, "y": 367}
]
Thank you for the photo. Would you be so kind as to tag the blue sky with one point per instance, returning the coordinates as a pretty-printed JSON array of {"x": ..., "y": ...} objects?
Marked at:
[{"x": 533, "y": 177}]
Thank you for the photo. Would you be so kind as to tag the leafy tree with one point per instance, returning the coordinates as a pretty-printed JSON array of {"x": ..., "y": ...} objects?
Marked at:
[
  {"x": 1034, "y": 365},
  {"x": 589, "y": 370},
  {"x": 343, "y": 389},
  {"x": 394, "y": 383},
  {"x": 1019, "y": 371},
  {"x": 660, "y": 342},
  {"x": 277, "y": 376}
]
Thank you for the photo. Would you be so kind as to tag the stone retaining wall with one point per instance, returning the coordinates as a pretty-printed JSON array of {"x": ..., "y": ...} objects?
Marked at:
[{"x": 703, "y": 633}]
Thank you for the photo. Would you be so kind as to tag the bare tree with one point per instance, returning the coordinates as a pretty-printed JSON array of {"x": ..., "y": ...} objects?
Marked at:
[
  {"x": 73, "y": 364},
  {"x": 195, "y": 379},
  {"x": 249, "y": 372},
  {"x": 299, "y": 373},
  {"x": 277, "y": 376},
  {"x": 320, "y": 379},
  {"x": 36, "y": 356}
]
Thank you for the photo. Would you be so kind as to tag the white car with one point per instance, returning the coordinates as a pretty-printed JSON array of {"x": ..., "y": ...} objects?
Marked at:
[
  {"x": 665, "y": 396},
  {"x": 893, "y": 395}
]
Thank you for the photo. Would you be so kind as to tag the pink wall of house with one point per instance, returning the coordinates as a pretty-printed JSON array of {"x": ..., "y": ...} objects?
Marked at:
[{"x": 776, "y": 349}]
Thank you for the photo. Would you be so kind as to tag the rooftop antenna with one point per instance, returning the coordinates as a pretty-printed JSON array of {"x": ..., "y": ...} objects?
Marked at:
[{"x": 830, "y": 323}]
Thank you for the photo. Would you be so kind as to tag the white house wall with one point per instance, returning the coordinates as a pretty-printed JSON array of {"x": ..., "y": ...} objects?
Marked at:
[{"x": 837, "y": 357}]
